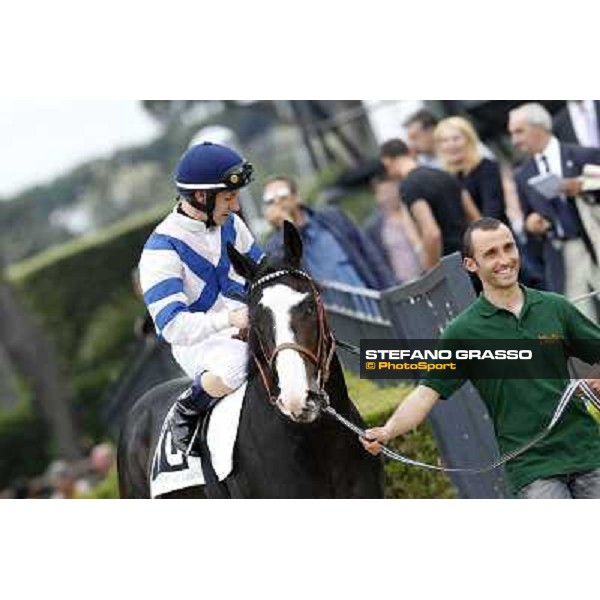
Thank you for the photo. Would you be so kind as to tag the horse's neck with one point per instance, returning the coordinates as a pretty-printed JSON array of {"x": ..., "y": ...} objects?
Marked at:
[{"x": 336, "y": 385}]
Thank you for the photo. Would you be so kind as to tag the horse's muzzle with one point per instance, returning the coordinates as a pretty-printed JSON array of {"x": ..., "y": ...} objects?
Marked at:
[{"x": 315, "y": 401}]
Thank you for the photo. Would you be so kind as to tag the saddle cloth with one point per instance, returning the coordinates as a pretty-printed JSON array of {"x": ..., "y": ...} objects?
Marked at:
[{"x": 172, "y": 471}]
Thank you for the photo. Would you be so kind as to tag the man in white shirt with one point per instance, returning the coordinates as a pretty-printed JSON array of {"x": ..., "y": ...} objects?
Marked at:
[
  {"x": 565, "y": 223},
  {"x": 195, "y": 298},
  {"x": 579, "y": 123}
]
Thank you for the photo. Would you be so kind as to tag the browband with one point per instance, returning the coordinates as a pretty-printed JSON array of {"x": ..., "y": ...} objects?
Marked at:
[{"x": 275, "y": 275}]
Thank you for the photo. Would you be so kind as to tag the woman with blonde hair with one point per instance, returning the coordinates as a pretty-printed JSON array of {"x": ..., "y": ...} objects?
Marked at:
[{"x": 459, "y": 150}]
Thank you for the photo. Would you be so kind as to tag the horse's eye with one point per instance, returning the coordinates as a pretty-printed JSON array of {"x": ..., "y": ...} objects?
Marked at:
[{"x": 310, "y": 309}]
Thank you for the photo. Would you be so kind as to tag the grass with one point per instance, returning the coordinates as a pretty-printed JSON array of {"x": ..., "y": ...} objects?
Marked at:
[{"x": 374, "y": 403}]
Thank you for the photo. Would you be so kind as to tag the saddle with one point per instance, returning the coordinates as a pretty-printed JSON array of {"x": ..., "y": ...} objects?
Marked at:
[{"x": 172, "y": 470}]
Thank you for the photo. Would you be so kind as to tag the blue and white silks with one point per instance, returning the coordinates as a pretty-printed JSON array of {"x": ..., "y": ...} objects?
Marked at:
[{"x": 190, "y": 287}]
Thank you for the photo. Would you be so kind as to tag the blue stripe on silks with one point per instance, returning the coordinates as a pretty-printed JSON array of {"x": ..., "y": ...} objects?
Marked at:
[
  {"x": 163, "y": 289},
  {"x": 158, "y": 241},
  {"x": 206, "y": 299},
  {"x": 229, "y": 288},
  {"x": 228, "y": 234},
  {"x": 236, "y": 291},
  {"x": 255, "y": 253},
  {"x": 199, "y": 265},
  {"x": 168, "y": 313}
]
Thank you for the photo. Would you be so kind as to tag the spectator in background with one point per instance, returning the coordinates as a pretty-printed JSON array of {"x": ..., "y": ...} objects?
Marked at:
[
  {"x": 458, "y": 149},
  {"x": 435, "y": 199},
  {"x": 579, "y": 123},
  {"x": 61, "y": 479},
  {"x": 567, "y": 223},
  {"x": 460, "y": 152},
  {"x": 101, "y": 460},
  {"x": 335, "y": 250},
  {"x": 392, "y": 228},
  {"x": 419, "y": 132}
]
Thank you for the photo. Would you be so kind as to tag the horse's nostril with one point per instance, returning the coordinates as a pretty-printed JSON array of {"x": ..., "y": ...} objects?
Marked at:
[{"x": 318, "y": 399}]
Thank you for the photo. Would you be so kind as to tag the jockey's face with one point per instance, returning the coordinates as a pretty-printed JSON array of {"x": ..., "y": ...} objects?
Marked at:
[
  {"x": 226, "y": 202},
  {"x": 495, "y": 258}
]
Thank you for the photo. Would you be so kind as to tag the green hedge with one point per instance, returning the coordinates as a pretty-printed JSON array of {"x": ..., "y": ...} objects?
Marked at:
[
  {"x": 83, "y": 295},
  {"x": 67, "y": 285},
  {"x": 24, "y": 444}
]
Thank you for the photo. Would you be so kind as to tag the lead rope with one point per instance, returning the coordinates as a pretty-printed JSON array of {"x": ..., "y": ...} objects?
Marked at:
[{"x": 562, "y": 404}]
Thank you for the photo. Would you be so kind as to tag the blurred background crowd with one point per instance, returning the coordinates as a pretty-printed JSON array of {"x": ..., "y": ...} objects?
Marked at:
[{"x": 380, "y": 191}]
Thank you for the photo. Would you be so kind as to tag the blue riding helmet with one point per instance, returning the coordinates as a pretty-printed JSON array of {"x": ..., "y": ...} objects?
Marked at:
[
  {"x": 212, "y": 168},
  {"x": 209, "y": 166}
]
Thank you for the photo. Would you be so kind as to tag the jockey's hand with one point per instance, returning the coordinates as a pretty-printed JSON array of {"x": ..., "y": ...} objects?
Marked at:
[
  {"x": 239, "y": 318},
  {"x": 374, "y": 438},
  {"x": 242, "y": 335}
]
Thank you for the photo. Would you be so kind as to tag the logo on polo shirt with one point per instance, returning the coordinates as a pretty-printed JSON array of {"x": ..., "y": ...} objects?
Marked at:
[{"x": 550, "y": 338}]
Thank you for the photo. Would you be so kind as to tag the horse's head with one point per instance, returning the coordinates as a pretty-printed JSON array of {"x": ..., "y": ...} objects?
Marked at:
[{"x": 290, "y": 342}]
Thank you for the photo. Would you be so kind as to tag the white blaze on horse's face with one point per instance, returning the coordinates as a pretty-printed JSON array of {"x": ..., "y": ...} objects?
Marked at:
[{"x": 291, "y": 368}]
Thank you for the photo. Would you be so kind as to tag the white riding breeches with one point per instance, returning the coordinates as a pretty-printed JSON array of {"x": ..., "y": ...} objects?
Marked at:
[{"x": 219, "y": 354}]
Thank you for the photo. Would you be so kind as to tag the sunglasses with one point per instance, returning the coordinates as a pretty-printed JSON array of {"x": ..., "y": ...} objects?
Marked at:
[{"x": 273, "y": 196}]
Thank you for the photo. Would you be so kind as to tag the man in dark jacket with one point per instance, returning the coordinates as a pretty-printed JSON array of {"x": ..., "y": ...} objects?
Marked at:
[
  {"x": 568, "y": 224},
  {"x": 335, "y": 250}
]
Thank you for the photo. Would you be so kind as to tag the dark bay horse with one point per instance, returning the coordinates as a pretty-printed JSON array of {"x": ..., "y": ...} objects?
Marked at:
[{"x": 285, "y": 448}]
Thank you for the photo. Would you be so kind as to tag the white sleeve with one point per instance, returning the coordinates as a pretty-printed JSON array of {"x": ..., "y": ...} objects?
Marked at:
[{"x": 161, "y": 280}]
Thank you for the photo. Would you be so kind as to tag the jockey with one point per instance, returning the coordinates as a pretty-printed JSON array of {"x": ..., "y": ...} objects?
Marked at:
[{"x": 193, "y": 295}]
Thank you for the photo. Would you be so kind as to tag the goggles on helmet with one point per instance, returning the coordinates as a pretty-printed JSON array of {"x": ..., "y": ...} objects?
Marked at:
[{"x": 239, "y": 176}]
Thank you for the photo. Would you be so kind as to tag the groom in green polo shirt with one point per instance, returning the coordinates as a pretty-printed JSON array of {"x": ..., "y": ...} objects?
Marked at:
[{"x": 566, "y": 463}]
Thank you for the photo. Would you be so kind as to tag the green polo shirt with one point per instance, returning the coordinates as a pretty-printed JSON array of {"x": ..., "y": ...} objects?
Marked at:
[{"x": 522, "y": 408}]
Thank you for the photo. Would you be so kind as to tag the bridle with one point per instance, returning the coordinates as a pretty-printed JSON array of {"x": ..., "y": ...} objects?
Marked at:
[{"x": 321, "y": 359}]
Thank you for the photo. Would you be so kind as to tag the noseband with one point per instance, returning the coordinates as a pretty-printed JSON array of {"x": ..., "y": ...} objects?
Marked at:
[{"x": 325, "y": 343}]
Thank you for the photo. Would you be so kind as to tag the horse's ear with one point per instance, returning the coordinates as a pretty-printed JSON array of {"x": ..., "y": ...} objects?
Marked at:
[
  {"x": 242, "y": 264},
  {"x": 292, "y": 244}
]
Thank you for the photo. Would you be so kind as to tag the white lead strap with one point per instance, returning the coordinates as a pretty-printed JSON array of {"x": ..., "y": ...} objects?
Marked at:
[{"x": 561, "y": 406}]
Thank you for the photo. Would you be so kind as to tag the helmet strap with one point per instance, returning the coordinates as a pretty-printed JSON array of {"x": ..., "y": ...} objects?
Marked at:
[{"x": 207, "y": 207}]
